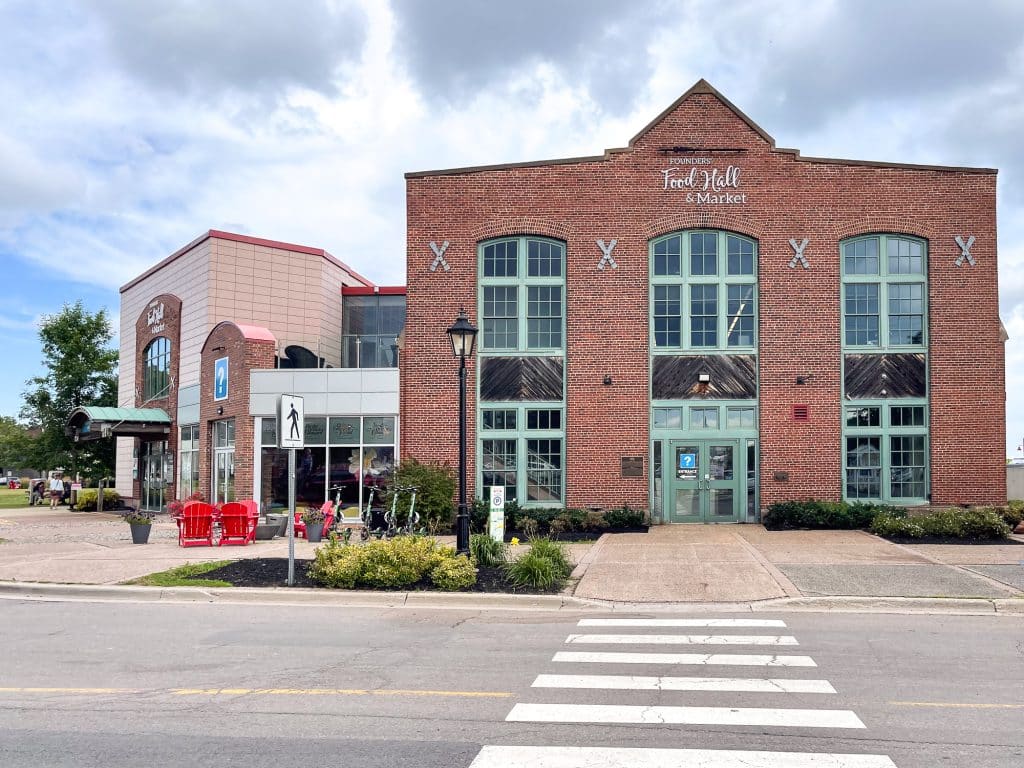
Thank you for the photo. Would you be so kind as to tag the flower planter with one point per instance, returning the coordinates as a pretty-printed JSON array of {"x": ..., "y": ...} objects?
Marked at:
[
  {"x": 140, "y": 532},
  {"x": 315, "y": 532}
]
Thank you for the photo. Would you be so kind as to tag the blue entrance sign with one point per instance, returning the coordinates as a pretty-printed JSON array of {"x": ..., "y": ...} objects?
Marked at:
[
  {"x": 220, "y": 379},
  {"x": 687, "y": 461}
]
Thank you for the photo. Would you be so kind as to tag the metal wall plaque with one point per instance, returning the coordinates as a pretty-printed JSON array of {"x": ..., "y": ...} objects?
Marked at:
[
  {"x": 632, "y": 466},
  {"x": 782, "y": 477}
]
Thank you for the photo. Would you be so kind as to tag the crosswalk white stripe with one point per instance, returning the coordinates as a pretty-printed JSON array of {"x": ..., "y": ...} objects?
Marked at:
[
  {"x": 649, "y": 683},
  {"x": 681, "y": 623},
  {"x": 616, "y": 757},
  {"x": 685, "y": 639},
  {"x": 724, "y": 659},
  {"x": 612, "y": 713}
]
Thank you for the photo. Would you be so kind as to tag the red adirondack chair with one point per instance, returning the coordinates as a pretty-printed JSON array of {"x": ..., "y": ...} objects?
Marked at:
[
  {"x": 237, "y": 524},
  {"x": 327, "y": 508},
  {"x": 195, "y": 525}
]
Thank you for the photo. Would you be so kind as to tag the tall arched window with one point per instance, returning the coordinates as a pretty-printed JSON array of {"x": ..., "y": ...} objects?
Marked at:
[
  {"x": 156, "y": 368},
  {"x": 885, "y": 386},
  {"x": 522, "y": 317},
  {"x": 703, "y": 292}
]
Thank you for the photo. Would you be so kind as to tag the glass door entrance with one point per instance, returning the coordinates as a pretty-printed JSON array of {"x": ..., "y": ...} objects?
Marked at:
[{"x": 705, "y": 483}]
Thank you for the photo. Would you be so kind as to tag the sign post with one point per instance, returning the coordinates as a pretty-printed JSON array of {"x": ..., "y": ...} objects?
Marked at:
[
  {"x": 496, "y": 526},
  {"x": 290, "y": 432}
]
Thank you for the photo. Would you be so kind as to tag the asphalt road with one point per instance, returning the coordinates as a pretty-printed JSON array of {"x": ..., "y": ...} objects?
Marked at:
[{"x": 129, "y": 684}]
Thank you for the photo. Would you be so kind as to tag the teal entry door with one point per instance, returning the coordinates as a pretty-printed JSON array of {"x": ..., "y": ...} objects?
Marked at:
[{"x": 705, "y": 484}]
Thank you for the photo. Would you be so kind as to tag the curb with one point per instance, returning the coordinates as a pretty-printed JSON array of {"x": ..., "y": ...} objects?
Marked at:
[{"x": 493, "y": 601}]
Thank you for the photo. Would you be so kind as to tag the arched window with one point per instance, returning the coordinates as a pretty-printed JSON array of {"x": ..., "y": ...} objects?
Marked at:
[
  {"x": 885, "y": 329},
  {"x": 703, "y": 291},
  {"x": 156, "y": 368},
  {"x": 884, "y": 296},
  {"x": 521, "y": 285}
]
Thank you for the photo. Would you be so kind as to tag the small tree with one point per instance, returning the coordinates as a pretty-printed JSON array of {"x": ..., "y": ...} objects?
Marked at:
[
  {"x": 81, "y": 370},
  {"x": 16, "y": 445}
]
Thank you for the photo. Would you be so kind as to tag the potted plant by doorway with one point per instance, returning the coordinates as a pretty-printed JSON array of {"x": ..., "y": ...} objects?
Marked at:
[
  {"x": 140, "y": 522},
  {"x": 313, "y": 517}
]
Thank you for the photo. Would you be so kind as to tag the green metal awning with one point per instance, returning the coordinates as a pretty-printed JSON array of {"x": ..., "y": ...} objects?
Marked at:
[{"x": 96, "y": 422}]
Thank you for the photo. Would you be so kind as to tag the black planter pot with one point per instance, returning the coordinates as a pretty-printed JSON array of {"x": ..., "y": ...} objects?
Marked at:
[{"x": 140, "y": 532}]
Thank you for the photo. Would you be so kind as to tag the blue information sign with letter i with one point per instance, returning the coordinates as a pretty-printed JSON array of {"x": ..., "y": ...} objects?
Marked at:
[{"x": 220, "y": 379}]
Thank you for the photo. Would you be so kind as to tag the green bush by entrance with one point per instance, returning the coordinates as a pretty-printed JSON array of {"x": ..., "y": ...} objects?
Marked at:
[{"x": 825, "y": 514}]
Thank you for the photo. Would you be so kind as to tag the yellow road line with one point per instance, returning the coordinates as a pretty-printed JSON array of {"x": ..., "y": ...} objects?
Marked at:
[
  {"x": 333, "y": 692},
  {"x": 955, "y": 705}
]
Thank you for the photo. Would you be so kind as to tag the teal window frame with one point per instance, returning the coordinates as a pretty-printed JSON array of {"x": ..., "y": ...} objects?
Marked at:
[
  {"x": 156, "y": 369},
  {"x": 522, "y": 303},
  {"x": 531, "y": 468},
  {"x": 875, "y": 283},
  {"x": 703, "y": 292},
  {"x": 876, "y": 420}
]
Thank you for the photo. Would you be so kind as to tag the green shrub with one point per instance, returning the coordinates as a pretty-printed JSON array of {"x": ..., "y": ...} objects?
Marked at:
[
  {"x": 87, "y": 497},
  {"x": 335, "y": 565},
  {"x": 480, "y": 512},
  {"x": 398, "y": 562},
  {"x": 542, "y": 516},
  {"x": 1012, "y": 513},
  {"x": 533, "y": 570},
  {"x": 453, "y": 573},
  {"x": 478, "y": 516},
  {"x": 965, "y": 524},
  {"x": 554, "y": 552},
  {"x": 624, "y": 517},
  {"x": 812, "y": 513},
  {"x": 595, "y": 522},
  {"x": 972, "y": 524},
  {"x": 487, "y": 552},
  {"x": 885, "y": 524},
  {"x": 436, "y": 488},
  {"x": 528, "y": 527}
]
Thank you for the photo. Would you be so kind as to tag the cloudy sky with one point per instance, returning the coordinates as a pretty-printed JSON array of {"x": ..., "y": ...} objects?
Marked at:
[{"x": 128, "y": 128}]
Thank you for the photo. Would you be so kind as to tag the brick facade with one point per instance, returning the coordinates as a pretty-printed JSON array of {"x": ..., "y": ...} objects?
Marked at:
[
  {"x": 244, "y": 351},
  {"x": 622, "y": 195}
]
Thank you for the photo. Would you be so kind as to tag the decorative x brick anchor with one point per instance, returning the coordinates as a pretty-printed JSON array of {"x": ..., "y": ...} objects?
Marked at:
[
  {"x": 439, "y": 256},
  {"x": 965, "y": 250},
  {"x": 799, "y": 258},
  {"x": 607, "y": 251}
]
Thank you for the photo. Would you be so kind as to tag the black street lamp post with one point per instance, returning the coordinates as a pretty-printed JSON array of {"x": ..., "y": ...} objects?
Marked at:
[{"x": 463, "y": 338}]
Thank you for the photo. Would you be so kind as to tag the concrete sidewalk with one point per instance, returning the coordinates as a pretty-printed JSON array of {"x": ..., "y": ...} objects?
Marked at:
[
  {"x": 746, "y": 563},
  {"x": 669, "y": 565}
]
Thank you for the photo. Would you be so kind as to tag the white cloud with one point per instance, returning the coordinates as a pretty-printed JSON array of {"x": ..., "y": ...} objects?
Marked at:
[{"x": 137, "y": 127}]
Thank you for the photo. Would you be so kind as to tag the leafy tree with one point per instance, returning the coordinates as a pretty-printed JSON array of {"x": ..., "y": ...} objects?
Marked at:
[
  {"x": 16, "y": 445},
  {"x": 81, "y": 371}
]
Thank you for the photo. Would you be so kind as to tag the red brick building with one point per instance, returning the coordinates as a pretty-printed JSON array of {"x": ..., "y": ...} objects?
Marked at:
[{"x": 702, "y": 324}]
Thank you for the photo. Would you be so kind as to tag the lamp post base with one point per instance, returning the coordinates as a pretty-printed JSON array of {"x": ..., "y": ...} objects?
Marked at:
[{"x": 462, "y": 531}]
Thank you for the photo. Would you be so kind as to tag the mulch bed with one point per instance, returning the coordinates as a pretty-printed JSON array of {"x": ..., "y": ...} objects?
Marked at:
[
  {"x": 951, "y": 540},
  {"x": 273, "y": 572}
]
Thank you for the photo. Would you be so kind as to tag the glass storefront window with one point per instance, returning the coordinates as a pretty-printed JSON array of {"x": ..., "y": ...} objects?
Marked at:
[{"x": 334, "y": 461}]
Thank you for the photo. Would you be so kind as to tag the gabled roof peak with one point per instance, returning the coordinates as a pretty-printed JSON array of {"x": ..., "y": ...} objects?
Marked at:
[{"x": 703, "y": 87}]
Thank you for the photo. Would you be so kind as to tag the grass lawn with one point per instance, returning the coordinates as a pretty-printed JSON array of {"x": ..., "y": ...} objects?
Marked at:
[
  {"x": 184, "y": 576},
  {"x": 13, "y": 499}
]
